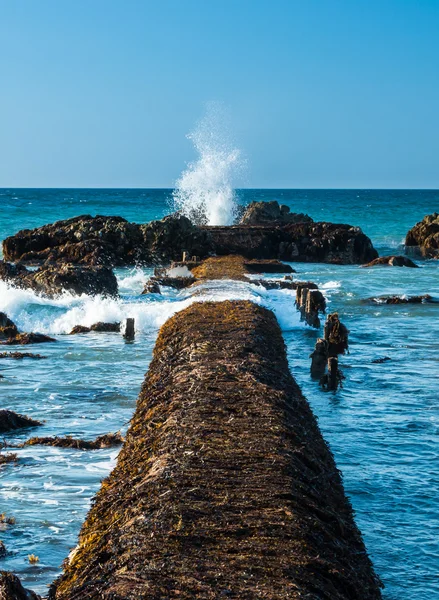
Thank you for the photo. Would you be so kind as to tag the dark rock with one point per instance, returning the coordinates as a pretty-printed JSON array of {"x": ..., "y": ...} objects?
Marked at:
[
  {"x": 393, "y": 261},
  {"x": 80, "y": 329},
  {"x": 425, "y": 299},
  {"x": 424, "y": 237},
  {"x": 151, "y": 287},
  {"x": 106, "y": 327},
  {"x": 21, "y": 355},
  {"x": 2, "y": 553},
  {"x": 260, "y": 213},
  {"x": 267, "y": 266},
  {"x": 23, "y": 339},
  {"x": 379, "y": 361},
  {"x": 296, "y": 242},
  {"x": 113, "y": 241},
  {"x": 54, "y": 280},
  {"x": 11, "y": 588},
  {"x": 9, "y": 420},
  {"x": 109, "y": 440},
  {"x": 8, "y": 329},
  {"x": 9, "y": 457}
]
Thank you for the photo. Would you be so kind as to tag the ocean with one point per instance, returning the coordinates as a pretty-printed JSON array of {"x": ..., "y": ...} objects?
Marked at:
[{"x": 382, "y": 426}]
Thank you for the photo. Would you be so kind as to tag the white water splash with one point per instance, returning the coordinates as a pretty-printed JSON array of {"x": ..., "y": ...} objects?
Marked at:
[{"x": 205, "y": 191}]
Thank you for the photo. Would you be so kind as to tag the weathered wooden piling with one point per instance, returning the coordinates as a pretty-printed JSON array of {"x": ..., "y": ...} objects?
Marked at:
[
  {"x": 337, "y": 335},
  {"x": 319, "y": 359},
  {"x": 129, "y": 329},
  {"x": 225, "y": 486}
]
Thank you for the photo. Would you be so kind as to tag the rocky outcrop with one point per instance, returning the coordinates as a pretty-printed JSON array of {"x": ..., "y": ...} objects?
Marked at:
[
  {"x": 225, "y": 486},
  {"x": 21, "y": 355},
  {"x": 393, "y": 261},
  {"x": 8, "y": 329},
  {"x": 267, "y": 213},
  {"x": 9, "y": 420},
  {"x": 23, "y": 339},
  {"x": 11, "y": 588},
  {"x": 423, "y": 238},
  {"x": 296, "y": 242},
  {"x": 97, "y": 327},
  {"x": 424, "y": 299},
  {"x": 54, "y": 280},
  {"x": 108, "y": 440},
  {"x": 112, "y": 241}
]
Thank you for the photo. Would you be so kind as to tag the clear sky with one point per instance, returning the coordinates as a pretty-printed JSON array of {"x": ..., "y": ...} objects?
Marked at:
[{"x": 322, "y": 93}]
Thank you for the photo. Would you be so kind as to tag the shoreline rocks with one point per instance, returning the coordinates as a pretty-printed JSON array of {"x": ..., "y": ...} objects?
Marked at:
[
  {"x": 424, "y": 299},
  {"x": 11, "y": 588},
  {"x": 54, "y": 280},
  {"x": 10, "y": 420},
  {"x": 108, "y": 440},
  {"x": 261, "y": 213},
  {"x": 423, "y": 238},
  {"x": 112, "y": 241},
  {"x": 392, "y": 261}
]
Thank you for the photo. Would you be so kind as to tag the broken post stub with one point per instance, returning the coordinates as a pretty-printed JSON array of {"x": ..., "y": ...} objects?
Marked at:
[
  {"x": 319, "y": 359},
  {"x": 129, "y": 329},
  {"x": 337, "y": 336},
  {"x": 333, "y": 379}
]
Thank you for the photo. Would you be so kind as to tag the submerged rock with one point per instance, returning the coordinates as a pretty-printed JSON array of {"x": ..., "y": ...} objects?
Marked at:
[
  {"x": 109, "y": 440},
  {"x": 424, "y": 299},
  {"x": 260, "y": 213},
  {"x": 54, "y": 280},
  {"x": 112, "y": 241},
  {"x": 10, "y": 420},
  {"x": 11, "y": 588},
  {"x": 98, "y": 327},
  {"x": 23, "y": 339},
  {"x": 393, "y": 261},
  {"x": 424, "y": 237},
  {"x": 21, "y": 355}
]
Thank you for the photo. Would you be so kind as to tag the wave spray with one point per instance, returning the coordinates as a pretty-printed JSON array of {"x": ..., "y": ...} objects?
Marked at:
[{"x": 205, "y": 191}]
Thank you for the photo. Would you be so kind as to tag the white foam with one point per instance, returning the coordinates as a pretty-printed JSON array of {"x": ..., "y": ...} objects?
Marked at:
[{"x": 205, "y": 191}]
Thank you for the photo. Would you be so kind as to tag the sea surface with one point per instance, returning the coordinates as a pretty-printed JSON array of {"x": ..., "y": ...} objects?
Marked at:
[{"x": 382, "y": 426}]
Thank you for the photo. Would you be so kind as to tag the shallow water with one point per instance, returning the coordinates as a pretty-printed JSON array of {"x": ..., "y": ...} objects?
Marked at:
[{"x": 382, "y": 427}]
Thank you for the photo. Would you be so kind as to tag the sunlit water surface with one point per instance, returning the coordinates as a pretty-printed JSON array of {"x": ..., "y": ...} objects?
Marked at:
[{"x": 382, "y": 426}]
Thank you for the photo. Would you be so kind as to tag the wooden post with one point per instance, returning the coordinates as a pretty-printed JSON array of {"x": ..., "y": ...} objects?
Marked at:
[
  {"x": 129, "y": 329},
  {"x": 333, "y": 378},
  {"x": 185, "y": 256},
  {"x": 319, "y": 358}
]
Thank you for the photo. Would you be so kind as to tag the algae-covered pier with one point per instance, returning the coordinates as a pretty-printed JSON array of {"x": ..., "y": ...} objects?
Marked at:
[{"x": 225, "y": 486}]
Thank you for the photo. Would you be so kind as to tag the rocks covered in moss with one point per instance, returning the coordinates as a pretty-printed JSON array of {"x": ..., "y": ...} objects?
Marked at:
[
  {"x": 424, "y": 237},
  {"x": 11, "y": 588},
  {"x": 225, "y": 486},
  {"x": 99, "y": 327},
  {"x": 53, "y": 280},
  {"x": 392, "y": 261},
  {"x": 108, "y": 440}
]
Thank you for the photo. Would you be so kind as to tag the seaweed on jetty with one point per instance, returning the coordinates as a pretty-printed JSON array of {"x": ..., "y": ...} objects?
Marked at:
[{"x": 225, "y": 486}]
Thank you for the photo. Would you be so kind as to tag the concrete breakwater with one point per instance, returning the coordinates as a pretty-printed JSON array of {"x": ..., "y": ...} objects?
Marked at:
[{"x": 225, "y": 486}]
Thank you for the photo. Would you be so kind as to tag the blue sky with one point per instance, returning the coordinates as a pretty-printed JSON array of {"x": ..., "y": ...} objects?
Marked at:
[{"x": 101, "y": 93}]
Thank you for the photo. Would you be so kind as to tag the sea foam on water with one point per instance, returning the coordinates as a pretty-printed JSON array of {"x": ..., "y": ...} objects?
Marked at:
[{"x": 205, "y": 191}]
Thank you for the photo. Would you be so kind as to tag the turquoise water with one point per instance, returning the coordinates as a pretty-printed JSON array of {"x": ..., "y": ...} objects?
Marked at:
[{"x": 382, "y": 427}]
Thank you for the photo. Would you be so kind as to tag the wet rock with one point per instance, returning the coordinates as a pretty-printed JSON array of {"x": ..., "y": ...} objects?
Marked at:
[
  {"x": 151, "y": 287},
  {"x": 54, "y": 280},
  {"x": 100, "y": 327},
  {"x": 423, "y": 238},
  {"x": 11, "y": 588},
  {"x": 23, "y": 339},
  {"x": 2, "y": 555},
  {"x": 295, "y": 242},
  {"x": 424, "y": 299},
  {"x": 109, "y": 440},
  {"x": 21, "y": 355},
  {"x": 9, "y": 420},
  {"x": 267, "y": 266},
  {"x": 260, "y": 213},
  {"x": 113, "y": 241},
  {"x": 379, "y": 361},
  {"x": 80, "y": 329},
  {"x": 9, "y": 457},
  {"x": 393, "y": 261},
  {"x": 8, "y": 329}
]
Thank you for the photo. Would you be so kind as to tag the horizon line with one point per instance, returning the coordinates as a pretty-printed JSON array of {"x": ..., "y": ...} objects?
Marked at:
[{"x": 158, "y": 188}]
